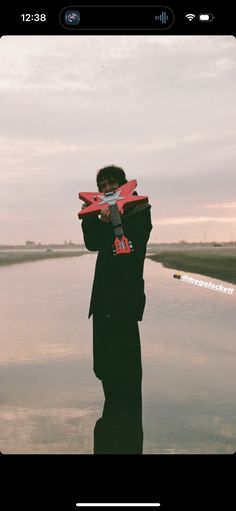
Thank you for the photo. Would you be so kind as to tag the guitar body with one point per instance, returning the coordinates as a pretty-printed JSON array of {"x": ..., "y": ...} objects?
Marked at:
[
  {"x": 123, "y": 197},
  {"x": 116, "y": 202}
]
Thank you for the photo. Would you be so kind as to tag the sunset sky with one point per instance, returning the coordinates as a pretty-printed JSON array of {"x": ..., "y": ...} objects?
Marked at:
[{"x": 161, "y": 107}]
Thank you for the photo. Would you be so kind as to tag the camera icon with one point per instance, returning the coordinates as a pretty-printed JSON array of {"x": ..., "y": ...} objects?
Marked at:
[{"x": 72, "y": 17}]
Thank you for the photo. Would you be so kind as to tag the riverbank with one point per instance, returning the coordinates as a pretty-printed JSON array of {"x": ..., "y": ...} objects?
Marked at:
[
  {"x": 15, "y": 257},
  {"x": 215, "y": 262}
]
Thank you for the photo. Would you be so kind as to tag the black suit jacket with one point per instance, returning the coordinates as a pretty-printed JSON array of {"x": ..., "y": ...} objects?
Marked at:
[{"x": 118, "y": 287}]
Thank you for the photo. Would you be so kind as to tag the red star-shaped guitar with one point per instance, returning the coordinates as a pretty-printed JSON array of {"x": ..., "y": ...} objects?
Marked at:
[{"x": 117, "y": 202}]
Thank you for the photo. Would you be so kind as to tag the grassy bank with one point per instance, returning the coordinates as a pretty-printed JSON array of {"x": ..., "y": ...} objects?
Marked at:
[
  {"x": 218, "y": 262},
  {"x": 14, "y": 257}
]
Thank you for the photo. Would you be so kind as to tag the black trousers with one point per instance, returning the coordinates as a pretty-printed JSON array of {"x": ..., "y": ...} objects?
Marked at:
[{"x": 116, "y": 349}]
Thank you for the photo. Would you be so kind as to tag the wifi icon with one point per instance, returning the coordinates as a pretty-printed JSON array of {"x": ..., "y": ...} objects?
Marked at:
[{"x": 190, "y": 17}]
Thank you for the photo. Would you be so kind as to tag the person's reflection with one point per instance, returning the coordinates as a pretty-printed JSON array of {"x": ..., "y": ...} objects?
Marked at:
[{"x": 119, "y": 430}]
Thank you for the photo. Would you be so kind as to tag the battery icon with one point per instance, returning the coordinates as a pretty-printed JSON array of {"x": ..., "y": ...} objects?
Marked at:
[{"x": 205, "y": 17}]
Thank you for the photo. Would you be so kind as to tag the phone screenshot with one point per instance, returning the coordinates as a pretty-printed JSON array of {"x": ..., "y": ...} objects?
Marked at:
[{"x": 118, "y": 255}]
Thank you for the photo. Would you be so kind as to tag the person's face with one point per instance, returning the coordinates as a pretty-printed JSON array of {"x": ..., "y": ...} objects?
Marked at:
[{"x": 108, "y": 185}]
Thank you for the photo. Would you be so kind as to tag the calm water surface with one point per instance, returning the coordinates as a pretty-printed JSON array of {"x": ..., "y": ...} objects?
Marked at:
[{"x": 49, "y": 397}]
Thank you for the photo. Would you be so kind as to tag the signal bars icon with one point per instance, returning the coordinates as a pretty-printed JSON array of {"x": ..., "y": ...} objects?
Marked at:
[{"x": 190, "y": 17}]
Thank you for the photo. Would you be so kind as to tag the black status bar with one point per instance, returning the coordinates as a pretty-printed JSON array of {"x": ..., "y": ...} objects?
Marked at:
[{"x": 117, "y": 19}]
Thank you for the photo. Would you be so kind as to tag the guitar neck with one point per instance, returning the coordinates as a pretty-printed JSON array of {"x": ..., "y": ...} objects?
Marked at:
[{"x": 116, "y": 220}]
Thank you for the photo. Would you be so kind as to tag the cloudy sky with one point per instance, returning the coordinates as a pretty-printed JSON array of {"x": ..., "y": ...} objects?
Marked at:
[{"x": 161, "y": 107}]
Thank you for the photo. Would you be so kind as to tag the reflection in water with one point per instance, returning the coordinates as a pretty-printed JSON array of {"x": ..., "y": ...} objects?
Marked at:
[
  {"x": 119, "y": 430},
  {"x": 117, "y": 363}
]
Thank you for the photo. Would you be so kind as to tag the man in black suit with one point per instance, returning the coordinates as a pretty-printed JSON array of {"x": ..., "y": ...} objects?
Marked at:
[{"x": 118, "y": 298}]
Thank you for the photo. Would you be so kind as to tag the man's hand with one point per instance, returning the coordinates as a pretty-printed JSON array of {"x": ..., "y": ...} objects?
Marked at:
[{"x": 105, "y": 215}]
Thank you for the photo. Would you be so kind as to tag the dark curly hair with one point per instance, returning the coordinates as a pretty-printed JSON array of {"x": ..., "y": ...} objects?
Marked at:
[{"x": 111, "y": 173}]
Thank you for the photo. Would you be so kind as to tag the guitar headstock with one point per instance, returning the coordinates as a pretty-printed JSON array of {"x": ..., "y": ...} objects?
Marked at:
[{"x": 122, "y": 246}]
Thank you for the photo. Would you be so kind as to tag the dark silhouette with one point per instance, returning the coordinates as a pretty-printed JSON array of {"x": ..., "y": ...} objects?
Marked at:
[
  {"x": 117, "y": 304},
  {"x": 118, "y": 361},
  {"x": 119, "y": 430}
]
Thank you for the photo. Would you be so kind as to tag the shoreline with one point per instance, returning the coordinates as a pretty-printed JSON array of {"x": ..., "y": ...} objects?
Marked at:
[
  {"x": 13, "y": 257},
  {"x": 207, "y": 262},
  {"x": 218, "y": 265}
]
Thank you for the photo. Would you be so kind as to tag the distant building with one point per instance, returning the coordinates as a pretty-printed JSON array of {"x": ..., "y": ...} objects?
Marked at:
[
  {"x": 69, "y": 243},
  {"x": 29, "y": 243}
]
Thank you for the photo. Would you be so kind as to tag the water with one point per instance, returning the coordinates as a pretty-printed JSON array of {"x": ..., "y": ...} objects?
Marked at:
[{"x": 50, "y": 398}]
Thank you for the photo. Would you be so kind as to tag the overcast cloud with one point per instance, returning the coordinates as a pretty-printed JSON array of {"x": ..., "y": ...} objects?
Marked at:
[{"x": 163, "y": 108}]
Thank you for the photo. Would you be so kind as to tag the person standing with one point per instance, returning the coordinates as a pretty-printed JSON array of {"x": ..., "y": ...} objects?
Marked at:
[{"x": 118, "y": 298}]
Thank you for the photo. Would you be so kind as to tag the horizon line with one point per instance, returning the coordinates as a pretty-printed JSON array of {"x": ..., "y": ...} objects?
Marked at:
[{"x": 181, "y": 242}]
